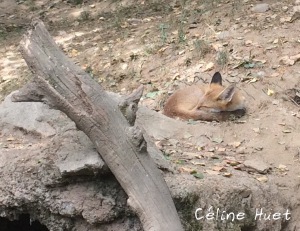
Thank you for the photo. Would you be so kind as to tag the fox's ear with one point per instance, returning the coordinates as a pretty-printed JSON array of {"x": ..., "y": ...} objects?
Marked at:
[
  {"x": 227, "y": 93},
  {"x": 217, "y": 78}
]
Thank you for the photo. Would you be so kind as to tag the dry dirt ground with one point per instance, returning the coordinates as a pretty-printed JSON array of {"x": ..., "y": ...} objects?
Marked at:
[{"x": 166, "y": 45}]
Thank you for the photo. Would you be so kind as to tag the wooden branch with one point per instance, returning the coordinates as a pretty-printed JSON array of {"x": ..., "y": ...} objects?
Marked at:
[
  {"x": 129, "y": 105},
  {"x": 60, "y": 83}
]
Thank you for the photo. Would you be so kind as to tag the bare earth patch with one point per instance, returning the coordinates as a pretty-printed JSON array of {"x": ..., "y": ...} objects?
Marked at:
[{"x": 164, "y": 46}]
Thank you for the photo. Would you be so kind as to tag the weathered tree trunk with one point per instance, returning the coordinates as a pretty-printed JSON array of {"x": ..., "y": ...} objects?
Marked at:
[{"x": 63, "y": 85}]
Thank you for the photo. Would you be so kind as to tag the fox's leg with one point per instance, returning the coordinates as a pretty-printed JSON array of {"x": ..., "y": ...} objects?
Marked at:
[
  {"x": 206, "y": 115},
  {"x": 196, "y": 114},
  {"x": 215, "y": 116}
]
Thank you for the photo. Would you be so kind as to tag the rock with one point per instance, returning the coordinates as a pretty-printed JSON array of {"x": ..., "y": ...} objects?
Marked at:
[
  {"x": 260, "y": 8},
  {"x": 80, "y": 158},
  {"x": 257, "y": 165},
  {"x": 28, "y": 116},
  {"x": 44, "y": 123}
]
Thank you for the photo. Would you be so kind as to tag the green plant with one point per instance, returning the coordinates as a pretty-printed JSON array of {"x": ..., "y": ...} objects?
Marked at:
[
  {"x": 201, "y": 47},
  {"x": 3, "y": 35},
  {"x": 85, "y": 15},
  {"x": 163, "y": 32},
  {"x": 249, "y": 62},
  {"x": 223, "y": 58},
  {"x": 31, "y": 5},
  {"x": 76, "y": 2},
  {"x": 236, "y": 6},
  {"x": 181, "y": 33},
  {"x": 181, "y": 29}
]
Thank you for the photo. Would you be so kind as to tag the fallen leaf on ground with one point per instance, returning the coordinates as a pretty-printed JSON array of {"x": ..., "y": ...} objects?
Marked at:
[
  {"x": 186, "y": 169},
  {"x": 253, "y": 80},
  {"x": 262, "y": 179},
  {"x": 287, "y": 131},
  {"x": 233, "y": 163},
  {"x": 289, "y": 60},
  {"x": 270, "y": 92},
  {"x": 209, "y": 67},
  {"x": 10, "y": 138},
  {"x": 256, "y": 130},
  {"x": 282, "y": 167},
  {"x": 235, "y": 144},
  {"x": 219, "y": 169},
  {"x": 227, "y": 174},
  {"x": 221, "y": 149}
]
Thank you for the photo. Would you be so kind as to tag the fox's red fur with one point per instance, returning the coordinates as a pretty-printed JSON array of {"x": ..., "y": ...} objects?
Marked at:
[{"x": 205, "y": 102}]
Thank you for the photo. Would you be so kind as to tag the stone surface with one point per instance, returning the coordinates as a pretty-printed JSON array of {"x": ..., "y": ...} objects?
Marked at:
[
  {"x": 257, "y": 165},
  {"x": 260, "y": 8},
  {"x": 74, "y": 152}
]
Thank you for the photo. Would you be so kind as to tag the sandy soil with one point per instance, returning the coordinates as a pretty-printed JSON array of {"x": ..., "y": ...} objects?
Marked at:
[{"x": 164, "y": 46}]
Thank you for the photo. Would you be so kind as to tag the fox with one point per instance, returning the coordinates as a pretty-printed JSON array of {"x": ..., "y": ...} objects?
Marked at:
[{"x": 210, "y": 102}]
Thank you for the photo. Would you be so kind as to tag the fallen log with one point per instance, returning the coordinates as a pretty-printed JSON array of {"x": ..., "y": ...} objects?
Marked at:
[{"x": 63, "y": 85}]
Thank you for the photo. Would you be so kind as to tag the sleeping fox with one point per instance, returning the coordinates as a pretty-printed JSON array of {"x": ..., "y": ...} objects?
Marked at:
[{"x": 211, "y": 102}]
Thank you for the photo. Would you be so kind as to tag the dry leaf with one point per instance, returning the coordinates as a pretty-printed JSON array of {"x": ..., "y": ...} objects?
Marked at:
[
  {"x": 270, "y": 92},
  {"x": 186, "y": 169},
  {"x": 286, "y": 60},
  {"x": 256, "y": 130},
  {"x": 233, "y": 163},
  {"x": 209, "y": 67},
  {"x": 217, "y": 46},
  {"x": 295, "y": 58},
  {"x": 161, "y": 50},
  {"x": 10, "y": 139},
  {"x": 227, "y": 174},
  {"x": 106, "y": 48},
  {"x": 262, "y": 179},
  {"x": 221, "y": 149},
  {"x": 219, "y": 169},
  {"x": 74, "y": 53},
  {"x": 286, "y": 131},
  {"x": 190, "y": 79},
  {"x": 235, "y": 144},
  {"x": 282, "y": 167},
  {"x": 181, "y": 52},
  {"x": 252, "y": 80},
  {"x": 124, "y": 66}
]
